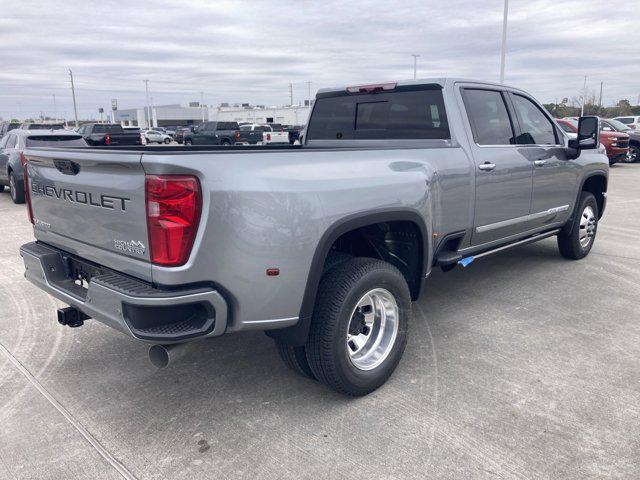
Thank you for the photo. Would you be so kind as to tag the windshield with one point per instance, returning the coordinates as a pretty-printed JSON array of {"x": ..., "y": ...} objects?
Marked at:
[
  {"x": 566, "y": 126},
  {"x": 619, "y": 126}
]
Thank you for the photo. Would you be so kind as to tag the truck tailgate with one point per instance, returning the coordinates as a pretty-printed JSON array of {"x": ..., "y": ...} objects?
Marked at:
[{"x": 91, "y": 203}]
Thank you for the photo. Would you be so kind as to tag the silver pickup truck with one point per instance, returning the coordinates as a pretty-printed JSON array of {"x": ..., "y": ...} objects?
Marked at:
[{"x": 324, "y": 246}]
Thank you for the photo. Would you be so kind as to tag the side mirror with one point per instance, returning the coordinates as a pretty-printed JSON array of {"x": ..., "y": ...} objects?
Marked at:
[
  {"x": 588, "y": 134},
  {"x": 588, "y": 137}
]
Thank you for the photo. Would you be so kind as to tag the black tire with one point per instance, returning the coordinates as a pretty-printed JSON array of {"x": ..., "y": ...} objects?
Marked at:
[
  {"x": 569, "y": 237},
  {"x": 295, "y": 358},
  {"x": 634, "y": 154},
  {"x": 226, "y": 142},
  {"x": 1, "y": 188},
  {"x": 167, "y": 141},
  {"x": 188, "y": 141},
  {"x": 340, "y": 290},
  {"x": 16, "y": 188}
]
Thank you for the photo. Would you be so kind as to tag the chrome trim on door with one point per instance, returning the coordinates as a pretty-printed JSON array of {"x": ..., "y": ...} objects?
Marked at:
[{"x": 524, "y": 218}]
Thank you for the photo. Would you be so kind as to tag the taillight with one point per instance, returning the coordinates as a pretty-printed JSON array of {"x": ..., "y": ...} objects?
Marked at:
[
  {"x": 238, "y": 135},
  {"x": 107, "y": 139},
  {"x": 27, "y": 193},
  {"x": 268, "y": 137},
  {"x": 174, "y": 204}
]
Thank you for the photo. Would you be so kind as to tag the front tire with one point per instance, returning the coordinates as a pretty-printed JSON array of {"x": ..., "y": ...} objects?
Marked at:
[
  {"x": 359, "y": 326},
  {"x": 16, "y": 188},
  {"x": 167, "y": 141},
  {"x": 634, "y": 154},
  {"x": 576, "y": 239}
]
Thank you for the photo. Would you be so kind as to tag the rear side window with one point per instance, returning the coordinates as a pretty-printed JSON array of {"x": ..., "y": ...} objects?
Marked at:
[
  {"x": 227, "y": 126},
  {"x": 626, "y": 120},
  {"x": 490, "y": 121},
  {"x": 56, "y": 141},
  {"x": 536, "y": 128},
  {"x": 415, "y": 114}
]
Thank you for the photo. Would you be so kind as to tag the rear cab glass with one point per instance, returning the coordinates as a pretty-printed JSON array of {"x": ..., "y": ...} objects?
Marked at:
[
  {"x": 55, "y": 141},
  {"x": 409, "y": 112},
  {"x": 107, "y": 129}
]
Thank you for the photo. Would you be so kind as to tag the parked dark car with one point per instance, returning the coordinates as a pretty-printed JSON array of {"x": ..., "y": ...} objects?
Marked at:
[
  {"x": 294, "y": 132},
  {"x": 608, "y": 125},
  {"x": 616, "y": 143},
  {"x": 12, "y": 146},
  {"x": 42, "y": 126},
  {"x": 213, "y": 133},
  {"x": 108, "y": 134},
  {"x": 180, "y": 133},
  {"x": 6, "y": 127}
]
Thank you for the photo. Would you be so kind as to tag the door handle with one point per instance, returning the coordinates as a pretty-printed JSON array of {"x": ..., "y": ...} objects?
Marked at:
[
  {"x": 539, "y": 163},
  {"x": 486, "y": 166}
]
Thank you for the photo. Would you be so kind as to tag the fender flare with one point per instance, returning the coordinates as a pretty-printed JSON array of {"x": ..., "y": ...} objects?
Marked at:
[
  {"x": 594, "y": 173},
  {"x": 297, "y": 334}
]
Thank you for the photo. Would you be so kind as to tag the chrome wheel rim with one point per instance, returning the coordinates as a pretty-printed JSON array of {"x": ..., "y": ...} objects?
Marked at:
[
  {"x": 372, "y": 329},
  {"x": 632, "y": 156},
  {"x": 588, "y": 224}
]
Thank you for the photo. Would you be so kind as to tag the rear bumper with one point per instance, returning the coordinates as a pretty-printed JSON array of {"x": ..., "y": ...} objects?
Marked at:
[{"x": 131, "y": 306}]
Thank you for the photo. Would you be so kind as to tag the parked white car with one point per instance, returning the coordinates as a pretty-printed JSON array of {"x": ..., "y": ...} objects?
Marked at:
[
  {"x": 153, "y": 136},
  {"x": 272, "y": 137},
  {"x": 630, "y": 121}
]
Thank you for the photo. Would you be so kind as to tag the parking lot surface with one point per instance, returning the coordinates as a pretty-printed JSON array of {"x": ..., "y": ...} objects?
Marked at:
[{"x": 523, "y": 365}]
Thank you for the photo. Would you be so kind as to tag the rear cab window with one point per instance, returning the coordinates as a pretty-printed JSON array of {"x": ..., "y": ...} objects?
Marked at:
[
  {"x": 107, "y": 129},
  {"x": 55, "y": 141},
  {"x": 409, "y": 112}
]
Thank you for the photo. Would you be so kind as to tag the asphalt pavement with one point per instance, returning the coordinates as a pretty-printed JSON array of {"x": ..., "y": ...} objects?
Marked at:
[{"x": 522, "y": 365}]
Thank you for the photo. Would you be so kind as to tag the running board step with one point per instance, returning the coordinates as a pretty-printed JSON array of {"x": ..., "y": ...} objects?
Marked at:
[{"x": 447, "y": 257}]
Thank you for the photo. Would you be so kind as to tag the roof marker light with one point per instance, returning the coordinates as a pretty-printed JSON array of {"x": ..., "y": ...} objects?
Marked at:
[{"x": 377, "y": 87}]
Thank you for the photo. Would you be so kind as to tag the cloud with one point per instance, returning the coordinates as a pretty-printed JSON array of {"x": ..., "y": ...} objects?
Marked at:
[{"x": 250, "y": 51}]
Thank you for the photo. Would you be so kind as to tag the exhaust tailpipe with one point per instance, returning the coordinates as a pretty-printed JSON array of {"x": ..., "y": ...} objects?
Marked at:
[{"x": 162, "y": 355}]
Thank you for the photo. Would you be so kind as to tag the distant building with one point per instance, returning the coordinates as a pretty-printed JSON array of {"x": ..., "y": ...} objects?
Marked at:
[
  {"x": 162, "y": 116},
  {"x": 288, "y": 115}
]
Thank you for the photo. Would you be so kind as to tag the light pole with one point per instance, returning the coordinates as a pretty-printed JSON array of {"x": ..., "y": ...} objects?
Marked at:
[
  {"x": 146, "y": 87},
  {"x": 415, "y": 65},
  {"x": 503, "y": 54},
  {"x": 73, "y": 94},
  {"x": 202, "y": 105},
  {"x": 584, "y": 96}
]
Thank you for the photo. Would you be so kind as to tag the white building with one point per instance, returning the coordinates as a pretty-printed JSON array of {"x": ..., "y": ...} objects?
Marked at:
[
  {"x": 288, "y": 115},
  {"x": 162, "y": 116}
]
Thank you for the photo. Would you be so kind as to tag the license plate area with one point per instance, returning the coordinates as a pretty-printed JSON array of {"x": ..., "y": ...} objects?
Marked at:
[{"x": 81, "y": 272}]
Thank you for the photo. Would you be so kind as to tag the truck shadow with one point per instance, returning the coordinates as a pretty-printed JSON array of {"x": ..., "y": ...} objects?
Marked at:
[{"x": 245, "y": 368}]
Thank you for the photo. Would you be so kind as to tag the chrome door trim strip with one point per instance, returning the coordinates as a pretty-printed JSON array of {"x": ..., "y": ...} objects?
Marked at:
[{"x": 524, "y": 218}]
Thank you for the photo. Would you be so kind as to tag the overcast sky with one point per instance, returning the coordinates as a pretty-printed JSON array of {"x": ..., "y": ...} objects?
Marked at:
[{"x": 251, "y": 51}]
